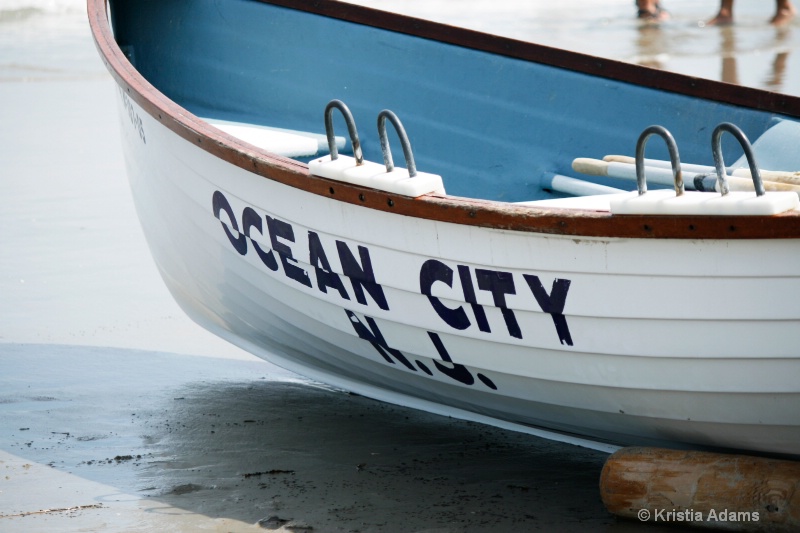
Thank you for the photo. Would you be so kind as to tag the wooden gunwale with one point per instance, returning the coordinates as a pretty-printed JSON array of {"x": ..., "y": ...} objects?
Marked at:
[{"x": 453, "y": 209}]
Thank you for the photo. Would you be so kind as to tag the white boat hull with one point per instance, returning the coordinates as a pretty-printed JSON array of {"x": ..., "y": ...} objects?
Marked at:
[{"x": 626, "y": 340}]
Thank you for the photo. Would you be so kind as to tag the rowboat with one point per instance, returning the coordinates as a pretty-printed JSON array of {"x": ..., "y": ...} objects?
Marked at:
[{"x": 487, "y": 279}]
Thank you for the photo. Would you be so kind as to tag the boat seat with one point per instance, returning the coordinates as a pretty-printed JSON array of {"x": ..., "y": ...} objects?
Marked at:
[
  {"x": 288, "y": 143},
  {"x": 375, "y": 176}
]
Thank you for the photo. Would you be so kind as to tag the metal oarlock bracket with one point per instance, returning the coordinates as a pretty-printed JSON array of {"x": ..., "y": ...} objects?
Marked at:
[
  {"x": 674, "y": 158},
  {"x": 719, "y": 163},
  {"x": 351, "y": 128},
  {"x": 401, "y": 132}
]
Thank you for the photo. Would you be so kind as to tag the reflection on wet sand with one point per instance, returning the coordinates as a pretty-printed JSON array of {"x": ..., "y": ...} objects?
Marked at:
[
  {"x": 775, "y": 82},
  {"x": 652, "y": 44},
  {"x": 730, "y": 73},
  {"x": 729, "y": 51},
  {"x": 656, "y": 45}
]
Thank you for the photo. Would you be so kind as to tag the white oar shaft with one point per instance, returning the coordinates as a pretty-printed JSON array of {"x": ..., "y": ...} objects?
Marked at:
[{"x": 575, "y": 187}]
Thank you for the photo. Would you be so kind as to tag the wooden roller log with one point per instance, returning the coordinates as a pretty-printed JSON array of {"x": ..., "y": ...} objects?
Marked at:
[{"x": 702, "y": 489}]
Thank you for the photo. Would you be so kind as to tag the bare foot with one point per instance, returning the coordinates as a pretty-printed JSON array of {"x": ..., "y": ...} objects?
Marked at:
[
  {"x": 723, "y": 18},
  {"x": 650, "y": 11},
  {"x": 783, "y": 16}
]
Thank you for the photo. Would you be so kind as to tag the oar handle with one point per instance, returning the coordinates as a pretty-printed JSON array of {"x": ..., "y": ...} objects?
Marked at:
[
  {"x": 791, "y": 178},
  {"x": 663, "y": 176}
]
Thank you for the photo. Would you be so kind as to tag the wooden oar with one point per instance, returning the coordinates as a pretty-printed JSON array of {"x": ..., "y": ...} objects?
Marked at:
[
  {"x": 663, "y": 176},
  {"x": 792, "y": 178},
  {"x": 658, "y": 163}
]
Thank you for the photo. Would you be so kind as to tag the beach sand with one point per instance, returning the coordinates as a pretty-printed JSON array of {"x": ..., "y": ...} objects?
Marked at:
[{"x": 119, "y": 414}]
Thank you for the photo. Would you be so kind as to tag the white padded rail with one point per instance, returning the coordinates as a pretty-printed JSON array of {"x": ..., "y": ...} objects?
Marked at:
[
  {"x": 374, "y": 175},
  {"x": 664, "y": 202}
]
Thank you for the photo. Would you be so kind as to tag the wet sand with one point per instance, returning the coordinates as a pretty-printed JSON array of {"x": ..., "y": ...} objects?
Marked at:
[
  {"x": 147, "y": 441},
  {"x": 119, "y": 414}
]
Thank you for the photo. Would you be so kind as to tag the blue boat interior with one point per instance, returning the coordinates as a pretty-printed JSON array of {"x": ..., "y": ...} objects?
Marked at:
[{"x": 493, "y": 127}]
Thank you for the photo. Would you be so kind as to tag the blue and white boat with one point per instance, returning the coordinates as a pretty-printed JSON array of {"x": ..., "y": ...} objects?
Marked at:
[{"x": 479, "y": 275}]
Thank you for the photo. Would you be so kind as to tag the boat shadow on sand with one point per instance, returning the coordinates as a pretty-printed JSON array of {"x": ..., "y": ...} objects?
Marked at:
[
  {"x": 293, "y": 455},
  {"x": 184, "y": 438}
]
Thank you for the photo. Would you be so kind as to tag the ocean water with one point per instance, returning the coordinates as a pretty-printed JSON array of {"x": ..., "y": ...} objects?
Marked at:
[
  {"x": 17, "y": 8},
  {"x": 43, "y": 40}
]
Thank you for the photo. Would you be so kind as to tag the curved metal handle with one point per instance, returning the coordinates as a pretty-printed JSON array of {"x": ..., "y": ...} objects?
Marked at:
[
  {"x": 351, "y": 128},
  {"x": 719, "y": 163},
  {"x": 401, "y": 132},
  {"x": 677, "y": 175}
]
